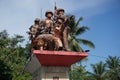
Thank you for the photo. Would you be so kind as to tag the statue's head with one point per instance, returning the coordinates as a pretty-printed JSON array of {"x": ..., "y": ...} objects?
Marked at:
[
  {"x": 37, "y": 20},
  {"x": 49, "y": 14},
  {"x": 60, "y": 19},
  {"x": 59, "y": 23},
  {"x": 61, "y": 11}
]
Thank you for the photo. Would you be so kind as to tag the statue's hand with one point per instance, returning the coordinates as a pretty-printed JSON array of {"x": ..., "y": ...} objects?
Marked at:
[{"x": 28, "y": 32}]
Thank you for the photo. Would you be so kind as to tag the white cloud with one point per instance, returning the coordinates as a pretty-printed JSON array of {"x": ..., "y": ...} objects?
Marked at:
[
  {"x": 17, "y": 15},
  {"x": 85, "y": 8}
]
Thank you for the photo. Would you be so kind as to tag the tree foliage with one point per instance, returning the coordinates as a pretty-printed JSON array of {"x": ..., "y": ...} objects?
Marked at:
[
  {"x": 99, "y": 71},
  {"x": 110, "y": 70},
  {"x": 113, "y": 65},
  {"x": 74, "y": 37},
  {"x": 5, "y": 71},
  {"x": 12, "y": 57}
]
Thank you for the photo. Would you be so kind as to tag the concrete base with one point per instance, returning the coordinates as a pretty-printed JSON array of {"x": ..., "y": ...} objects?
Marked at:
[
  {"x": 52, "y": 65},
  {"x": 51, "y": 73}
]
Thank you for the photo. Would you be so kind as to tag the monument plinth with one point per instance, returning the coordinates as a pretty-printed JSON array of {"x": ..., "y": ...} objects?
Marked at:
[
  {"x": 58, "y": 58},
  {"x": 52, "y": 65}
]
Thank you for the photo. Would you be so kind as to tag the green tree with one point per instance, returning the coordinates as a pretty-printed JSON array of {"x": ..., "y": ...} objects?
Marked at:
[
  {"x": 5, "y": 71},
  {"x": 74, "y": 40},
  {"x": 113, "y": 65},
  {"x": 75, "y": 31},
  {"x": 79, "y": 73},
  {"x": 4, "y": 40},
  {"x": 13, "y": 54},
  {"x": 99, "y": 71}
]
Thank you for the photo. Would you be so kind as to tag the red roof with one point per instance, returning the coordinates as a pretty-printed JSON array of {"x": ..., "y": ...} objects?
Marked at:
[{"x": 59, "y": 58}]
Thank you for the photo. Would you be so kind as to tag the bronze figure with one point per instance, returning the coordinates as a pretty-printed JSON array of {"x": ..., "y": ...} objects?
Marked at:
[{"x": 52, "y": 33}]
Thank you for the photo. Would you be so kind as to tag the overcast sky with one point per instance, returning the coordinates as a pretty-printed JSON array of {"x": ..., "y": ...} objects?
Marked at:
[{"x": 102, "y": 16}]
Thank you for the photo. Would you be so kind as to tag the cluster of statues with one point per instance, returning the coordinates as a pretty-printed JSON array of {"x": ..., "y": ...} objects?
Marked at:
[{"x": 51, "y": 33}]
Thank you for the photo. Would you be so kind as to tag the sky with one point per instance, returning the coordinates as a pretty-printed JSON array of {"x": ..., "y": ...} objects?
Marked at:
[{"x": 101, "y": 16}]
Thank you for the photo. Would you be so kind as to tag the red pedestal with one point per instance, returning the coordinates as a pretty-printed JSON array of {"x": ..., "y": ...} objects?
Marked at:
[{"x": 59, "y": 58}]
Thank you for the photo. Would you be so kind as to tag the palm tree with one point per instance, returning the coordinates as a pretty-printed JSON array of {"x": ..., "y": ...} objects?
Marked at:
[
  {"x": 74, "y": 45},
  {"x": 113, "y": 64},
  {"x": 99, "y": 71},
  {"x": 75, "y": 32},
  {"x": 79, "y": 73}
]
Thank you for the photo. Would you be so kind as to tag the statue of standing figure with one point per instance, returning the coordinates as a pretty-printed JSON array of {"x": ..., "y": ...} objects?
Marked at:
[
  {"x": 52, "y": 33},
  {"x": 59, "y": 13}
]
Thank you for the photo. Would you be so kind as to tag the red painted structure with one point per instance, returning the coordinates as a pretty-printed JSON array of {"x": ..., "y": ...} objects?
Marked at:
[{"x": 59, "y": 58}]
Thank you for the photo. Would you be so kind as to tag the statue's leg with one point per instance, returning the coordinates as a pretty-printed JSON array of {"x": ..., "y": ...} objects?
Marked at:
[
  {"x": 51, "y": 45},
  {"x": 32, "y": 46},
  {"x": 41, "y": 44},
  {"x": 58, "y": 43},
  {"x": 41, "y": 48},
  {"x": 45, "y": 46},
  {"x": 65, "y": 38}
]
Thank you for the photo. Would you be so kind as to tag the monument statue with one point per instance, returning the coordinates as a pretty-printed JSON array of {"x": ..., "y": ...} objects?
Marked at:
[
  {"x": 51, "y": 33},
  {"x": 50, "y": 59}
]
